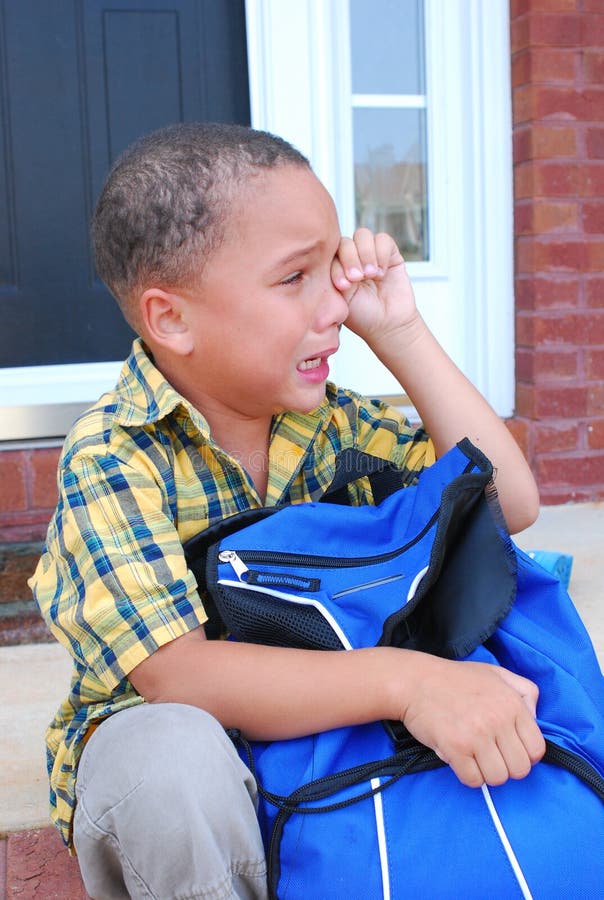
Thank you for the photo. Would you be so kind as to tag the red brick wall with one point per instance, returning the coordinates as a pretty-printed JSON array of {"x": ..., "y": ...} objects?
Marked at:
[
  {"x": 28, "y": 492},
  {"x": 558, "y": 104}
]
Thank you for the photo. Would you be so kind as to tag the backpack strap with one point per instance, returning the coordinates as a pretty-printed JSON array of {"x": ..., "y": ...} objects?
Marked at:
[{"x": 351, "y": 464}]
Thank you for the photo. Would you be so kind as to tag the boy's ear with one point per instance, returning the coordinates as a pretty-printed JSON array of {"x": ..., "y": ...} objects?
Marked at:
[{"x": 163, "y": 320}]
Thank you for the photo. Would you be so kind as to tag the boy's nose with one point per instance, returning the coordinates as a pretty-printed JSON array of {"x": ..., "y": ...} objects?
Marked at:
[{"x": 332, "y": 309}]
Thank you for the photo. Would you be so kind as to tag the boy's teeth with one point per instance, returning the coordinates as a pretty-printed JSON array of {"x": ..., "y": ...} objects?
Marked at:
[{"x": 310, "y": 363}]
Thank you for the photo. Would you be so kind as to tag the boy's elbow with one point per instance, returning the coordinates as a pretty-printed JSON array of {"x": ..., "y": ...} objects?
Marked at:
[
  {"x": 525, "y": 513},
  {"x": 167, "y": 674}
]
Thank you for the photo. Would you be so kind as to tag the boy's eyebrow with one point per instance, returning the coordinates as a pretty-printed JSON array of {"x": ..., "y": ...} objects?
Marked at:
[{"x": 297, "y": 254}]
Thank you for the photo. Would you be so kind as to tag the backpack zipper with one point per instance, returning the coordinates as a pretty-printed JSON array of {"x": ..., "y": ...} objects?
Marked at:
[
  {"x": 575, "y": 764},
  {"x": 237, "y": 559},
  {"x": 238, "y": 566},
  {"x": 297, "y": 582}
]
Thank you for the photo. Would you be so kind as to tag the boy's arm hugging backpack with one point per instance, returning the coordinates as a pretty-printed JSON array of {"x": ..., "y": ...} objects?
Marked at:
[{"x": 367, "y": 811}]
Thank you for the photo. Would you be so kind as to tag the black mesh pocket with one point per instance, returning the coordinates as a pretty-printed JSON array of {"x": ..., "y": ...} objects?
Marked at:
[{"x": 259, "y": 618}]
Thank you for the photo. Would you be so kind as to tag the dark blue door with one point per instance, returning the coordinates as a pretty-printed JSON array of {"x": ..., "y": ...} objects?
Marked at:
[{"x": 80, "y": 79}]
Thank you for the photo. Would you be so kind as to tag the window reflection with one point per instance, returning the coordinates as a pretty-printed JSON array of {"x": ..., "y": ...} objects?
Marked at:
[{"x": 390, "y": 176}]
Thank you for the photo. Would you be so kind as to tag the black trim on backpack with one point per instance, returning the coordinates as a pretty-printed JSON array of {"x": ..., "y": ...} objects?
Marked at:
[
  {"x": 351, "y": 464},
  {"x": 451, "y": 614}
]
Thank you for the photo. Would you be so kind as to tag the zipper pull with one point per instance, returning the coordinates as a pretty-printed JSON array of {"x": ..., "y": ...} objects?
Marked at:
[{"x": 239, "y": 567}]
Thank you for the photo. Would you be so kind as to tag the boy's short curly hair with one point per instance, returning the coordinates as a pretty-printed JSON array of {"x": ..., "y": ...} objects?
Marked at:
[{"x": 165, "y": 203}]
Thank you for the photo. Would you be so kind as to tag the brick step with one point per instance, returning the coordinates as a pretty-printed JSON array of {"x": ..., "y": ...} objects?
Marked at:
[
  {"x": 20, "y": 620},
  {"x": 35, "y": 864}
]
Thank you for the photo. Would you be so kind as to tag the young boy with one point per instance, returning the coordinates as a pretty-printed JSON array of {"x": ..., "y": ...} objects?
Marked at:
[{"x": 225, "y": 254}]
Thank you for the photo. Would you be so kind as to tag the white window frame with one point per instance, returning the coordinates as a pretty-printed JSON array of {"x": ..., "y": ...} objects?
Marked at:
[
  {"x": 44, "y": 401},
  {"x": 299, "y": 60},
  {"x": 300, "y": 88}
]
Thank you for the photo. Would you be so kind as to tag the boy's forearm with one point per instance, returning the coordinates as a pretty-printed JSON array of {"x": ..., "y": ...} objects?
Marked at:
[
  {"x": 478, "y": 718},
  {"x": 451, "y": 408},
  {"x": 271, "y": 693}
]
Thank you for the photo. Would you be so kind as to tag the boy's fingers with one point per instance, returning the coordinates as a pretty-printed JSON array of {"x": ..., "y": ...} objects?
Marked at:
[
  {"x": 339, "y": 277},
  {"x": 515, "y": 759},
  {"x": 366, "y": 255},
  {"x": 531, "y": 737},
  {"x": 512, "y": 754},
  {"x": 500, "y": 740},
  {"x": 348, "y": 256},
  {"x": 486, "y": 761},
  {"x": 364, "y": 240},
  {"x": 528, "y": 690},
  {"x": 387, "y": 252},
  {"x": 494, "y": 762},
  {"x": 467, "y": 771}
]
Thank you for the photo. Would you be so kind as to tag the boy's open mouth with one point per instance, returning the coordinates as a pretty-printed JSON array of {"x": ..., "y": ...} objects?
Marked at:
[
  {"x": 310, "y": 364},
  {"x": 315, "y": 369}
]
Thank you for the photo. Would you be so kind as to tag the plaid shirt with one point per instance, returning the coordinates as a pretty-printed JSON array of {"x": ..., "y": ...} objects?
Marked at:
[{"x": 139, "y": 475}]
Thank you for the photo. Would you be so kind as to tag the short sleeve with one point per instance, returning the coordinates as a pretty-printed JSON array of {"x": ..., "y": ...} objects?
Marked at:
[{"x": 112, "y": 582}]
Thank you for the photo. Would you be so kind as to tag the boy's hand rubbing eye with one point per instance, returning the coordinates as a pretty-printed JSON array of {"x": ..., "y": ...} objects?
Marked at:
[{"x": 370, "y": 272}]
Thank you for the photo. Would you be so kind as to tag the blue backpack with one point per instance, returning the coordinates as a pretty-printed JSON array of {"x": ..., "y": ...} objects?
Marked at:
[{"x": 367, "y": 811}]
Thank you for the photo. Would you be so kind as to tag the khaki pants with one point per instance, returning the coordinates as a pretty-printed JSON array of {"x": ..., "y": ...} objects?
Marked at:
[{"x": 166, "y": 809}]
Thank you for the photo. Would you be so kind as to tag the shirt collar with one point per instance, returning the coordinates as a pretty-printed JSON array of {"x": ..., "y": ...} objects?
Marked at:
[{"x": 144, "y": 396}]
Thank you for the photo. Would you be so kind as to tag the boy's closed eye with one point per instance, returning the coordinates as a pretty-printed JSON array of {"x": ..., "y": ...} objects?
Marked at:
[{"x": 294, "y": 278}]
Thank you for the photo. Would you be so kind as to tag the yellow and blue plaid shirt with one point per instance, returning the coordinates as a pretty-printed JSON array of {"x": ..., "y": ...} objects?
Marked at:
[{"x": 139, "y": 475}]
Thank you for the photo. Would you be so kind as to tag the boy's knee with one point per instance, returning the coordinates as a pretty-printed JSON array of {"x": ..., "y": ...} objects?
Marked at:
[
  {"x": 160, "y": 791},
  {"x": 161, "y": 759}
]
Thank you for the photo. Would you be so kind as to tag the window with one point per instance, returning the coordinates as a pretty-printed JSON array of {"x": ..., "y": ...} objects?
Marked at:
[{"x": 389, "y": 121}]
